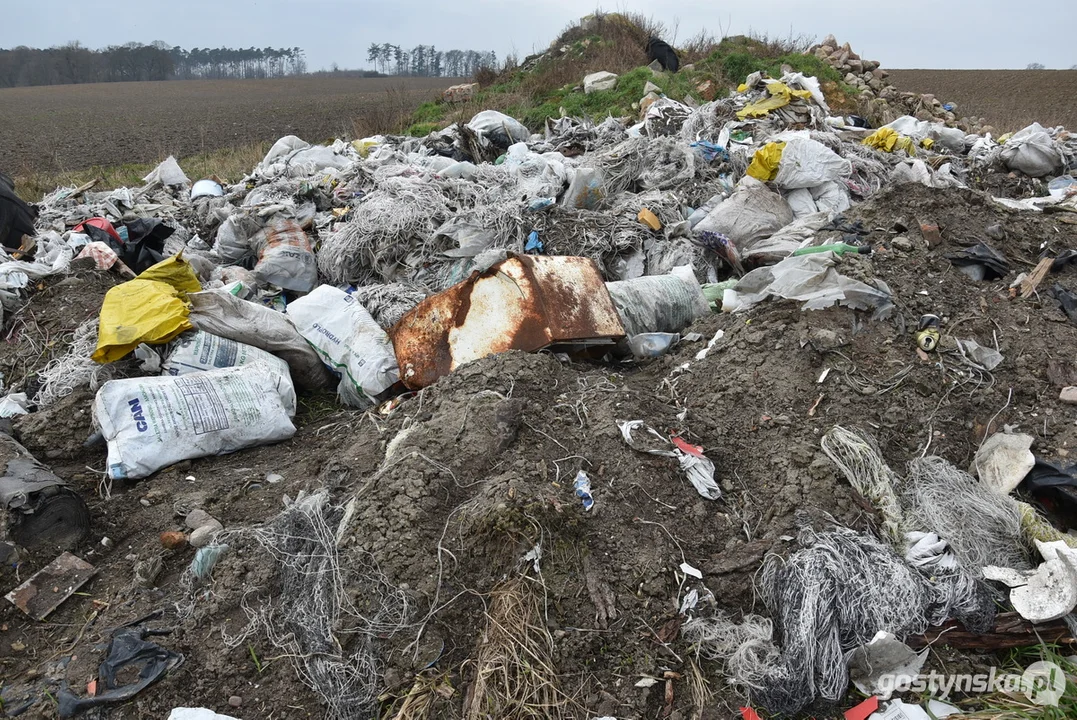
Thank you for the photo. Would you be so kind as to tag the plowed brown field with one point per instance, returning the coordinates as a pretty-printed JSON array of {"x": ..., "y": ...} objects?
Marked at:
[
  {"x": 69, "y": 127},
  {"x": 1008, "y": 99}
]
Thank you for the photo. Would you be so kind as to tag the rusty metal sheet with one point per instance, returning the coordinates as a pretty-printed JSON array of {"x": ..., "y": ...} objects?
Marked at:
[
  {"x": 51, "y": 585},
  {"x": 523, "y": 303}
]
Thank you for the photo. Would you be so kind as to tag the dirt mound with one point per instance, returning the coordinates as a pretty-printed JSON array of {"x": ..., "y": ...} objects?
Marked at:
[{"x": 456, "y": 488}]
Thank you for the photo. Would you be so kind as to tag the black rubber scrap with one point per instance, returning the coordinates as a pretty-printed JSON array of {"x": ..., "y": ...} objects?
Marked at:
[
  {"x": 994, "y": 264},
  {"x": 128, "y": 646}
]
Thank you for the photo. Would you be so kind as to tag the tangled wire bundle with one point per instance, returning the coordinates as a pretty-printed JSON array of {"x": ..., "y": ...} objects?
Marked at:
[
  {"x": 828, "y": 598},
  {"x": 310, "y": 604}
]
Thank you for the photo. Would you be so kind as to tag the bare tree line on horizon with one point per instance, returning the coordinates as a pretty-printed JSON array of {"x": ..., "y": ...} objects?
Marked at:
[
  {"x": 74, "y": 64},
  {"x": 427, "y": 61}
]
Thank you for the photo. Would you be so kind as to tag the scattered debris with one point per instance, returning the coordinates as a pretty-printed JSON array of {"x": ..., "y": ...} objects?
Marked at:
[
  {"x": 401, "y": 272},
  {"x": 46, "y": 589},
  {"x": 1047, "y": 593},
  {"x": 582, "y": 488},
  {"x": 1004, "y": 460},
  {"x": 43, "y": 510},
  {"x": 981, "y": 262},
  {"x": 884, "y": 665},
  {"x": 698, "y": 468}
]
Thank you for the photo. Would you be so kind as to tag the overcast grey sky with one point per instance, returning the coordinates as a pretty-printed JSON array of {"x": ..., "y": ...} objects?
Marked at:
[{"x": 906, "y": 34}]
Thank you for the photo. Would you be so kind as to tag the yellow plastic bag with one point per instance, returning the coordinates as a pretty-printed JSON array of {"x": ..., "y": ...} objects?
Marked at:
[
  {"x": 151, "y": 309},
  {"x": 365, "y": 145},
  {"x": 889, "y": 140},
  {"x": 765, "y": 163},
  {"x": 780, "y": 96},
  {"x": 176, "y": 272}
]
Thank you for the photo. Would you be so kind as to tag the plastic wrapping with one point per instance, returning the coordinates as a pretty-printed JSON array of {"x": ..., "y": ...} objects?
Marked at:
[
  {"x": 285, "y": 257},
  {"x": 753, "y": 213},
  {"x": 1032, "y": 152},
  {"x": 657, "y": 303}
]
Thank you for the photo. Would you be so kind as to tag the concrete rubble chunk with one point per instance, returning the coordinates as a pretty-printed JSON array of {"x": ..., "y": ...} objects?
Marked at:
[
  {"x": 599, "y": 81},
  {"x": 203, "y": 536}
]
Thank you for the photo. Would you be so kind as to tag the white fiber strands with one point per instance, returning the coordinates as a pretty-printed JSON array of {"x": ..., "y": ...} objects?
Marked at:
[
  {"x": 825, "y": 599},
  {"x": 601, "y": 236},
  {"x": 746, "y": 650},
  {"x": 74, "y": 369},
  {"x": 307, "y": 607},
  {"x": 392, "y": 229},
  {"x": 870, "y": 173},
  {"x": 388, "y": 303},
  {"x": 706, "y": 121},
  {"x": 908, "y": 506},
  {"x": 982, "y": 526},
  {"x": 621, "y": 164},
  {"x": 671, "y": 164},
  {"x": 859, "y": 460}
]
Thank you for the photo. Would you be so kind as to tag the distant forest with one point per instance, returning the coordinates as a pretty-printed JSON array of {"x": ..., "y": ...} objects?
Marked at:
[
  {"x": 73, "y": 63},
  {"x": 426, "y": 61}
]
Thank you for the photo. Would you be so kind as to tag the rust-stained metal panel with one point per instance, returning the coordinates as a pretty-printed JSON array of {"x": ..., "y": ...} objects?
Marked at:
[
  {"x": 51, "y": 585},
  {"x": 523, "y": 303}
]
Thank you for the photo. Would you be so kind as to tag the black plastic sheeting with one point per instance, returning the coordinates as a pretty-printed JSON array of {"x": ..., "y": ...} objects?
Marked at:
[
  {"x": 1054, "y": 488},
  {"x": 128, "y": 647},
  {"x": 981, "y": 262},
  {"x": 16, "y": 215},
  {"x": 1067, "y": 300},
  {"x": 144, "y": 246},
  {"x": 665, "y": 55}
]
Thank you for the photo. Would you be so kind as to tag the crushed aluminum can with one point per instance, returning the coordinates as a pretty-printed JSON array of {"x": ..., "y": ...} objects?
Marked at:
[
  {"x": 582, "y": 487},
  {"x": 927, "y": 339}
]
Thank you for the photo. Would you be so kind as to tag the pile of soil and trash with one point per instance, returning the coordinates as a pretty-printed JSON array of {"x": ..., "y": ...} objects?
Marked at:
[{"x": 741, "y": 406}]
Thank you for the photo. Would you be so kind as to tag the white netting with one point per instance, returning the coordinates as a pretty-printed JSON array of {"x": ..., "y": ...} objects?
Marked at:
[
  {"x": 309, "y": 613},
  {"x": 859, "y": 460},
  {"x": 983, "y": 527},
  {"x": 74, "y": 369},
  {"x": 392, "y": 229},
  {"x": 826, "y": 599}
]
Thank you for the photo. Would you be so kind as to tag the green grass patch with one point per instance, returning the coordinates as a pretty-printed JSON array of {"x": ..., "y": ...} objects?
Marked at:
[
  {"x": 617, "y": 102},
  {"x": 736, "y": 66},
  {"x": 1018, "y": 706},
  {"x": 422, "y": 129},
  {"x": 428, "y": 112}
]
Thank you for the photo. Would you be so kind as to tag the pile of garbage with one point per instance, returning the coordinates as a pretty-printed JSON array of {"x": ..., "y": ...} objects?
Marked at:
[
  {"x": 382, "y": 270},
  {"x": 886, "y": 101}
]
